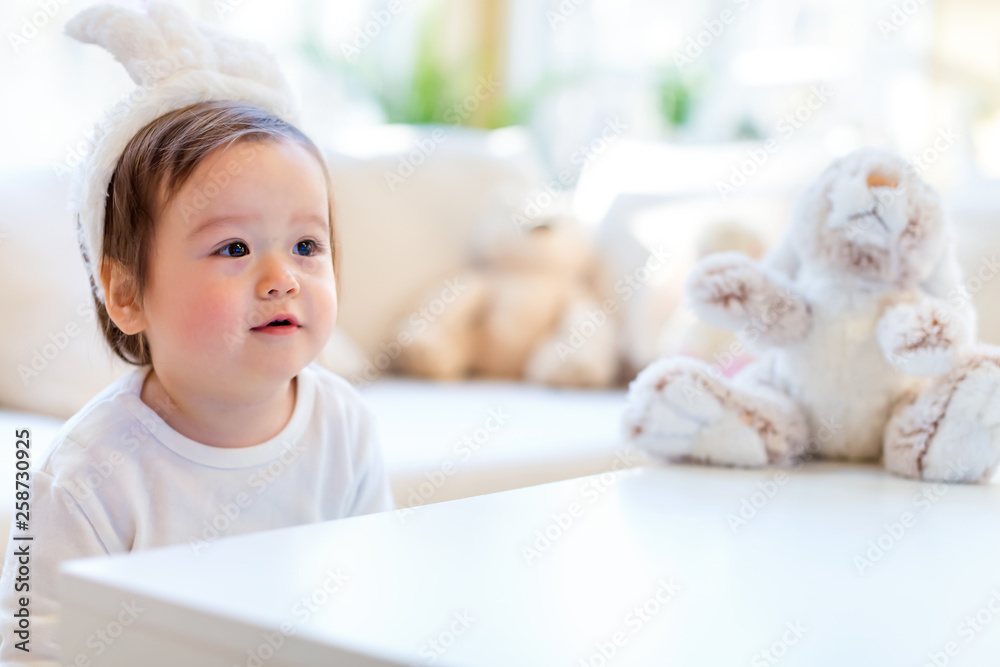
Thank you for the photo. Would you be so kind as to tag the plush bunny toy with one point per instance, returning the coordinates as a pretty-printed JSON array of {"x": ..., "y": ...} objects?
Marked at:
[{"x": 865, "y": 336}]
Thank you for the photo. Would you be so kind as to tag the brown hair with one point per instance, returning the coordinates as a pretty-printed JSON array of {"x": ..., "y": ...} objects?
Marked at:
[{"x": 159, "y": 159}]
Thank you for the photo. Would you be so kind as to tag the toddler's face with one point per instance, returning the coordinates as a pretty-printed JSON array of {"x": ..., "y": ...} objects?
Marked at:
[{"x": 245, "y": 241}]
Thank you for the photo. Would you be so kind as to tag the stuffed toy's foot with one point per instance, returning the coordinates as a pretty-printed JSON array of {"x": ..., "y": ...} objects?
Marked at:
[
  {"x": 677, "y": 412},
  {"x": 951, "y": 431}
]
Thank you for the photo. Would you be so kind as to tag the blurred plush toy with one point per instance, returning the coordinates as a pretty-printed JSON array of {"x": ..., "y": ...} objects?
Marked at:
[
  {"x": 866, "y": 341},
  {"x": 534, "y": 310}
]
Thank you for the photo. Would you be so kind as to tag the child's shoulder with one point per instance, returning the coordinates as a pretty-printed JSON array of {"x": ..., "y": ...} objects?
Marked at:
[{"x": 101, "y": 431}]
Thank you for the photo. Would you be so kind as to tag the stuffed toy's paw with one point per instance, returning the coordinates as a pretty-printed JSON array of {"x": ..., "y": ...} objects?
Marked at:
[
  {"x": 922, "y": 338},
  {"x": 438, "y": 340},
  {"x": 731, "y": 291},
  {"x": 581, "y": 353},
  {"x": 951, "y": 431},
  {"x": 667, "y": 409},
  {"x": 677, "y": 412}
]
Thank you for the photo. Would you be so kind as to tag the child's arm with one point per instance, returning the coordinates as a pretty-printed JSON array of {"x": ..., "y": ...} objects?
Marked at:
[
  {"x": 373, "y": 493},
  {"x": 60, "y": 531}
]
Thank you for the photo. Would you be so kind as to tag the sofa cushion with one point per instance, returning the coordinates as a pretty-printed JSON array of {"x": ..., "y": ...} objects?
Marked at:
[{"x": 450, "y": 440}]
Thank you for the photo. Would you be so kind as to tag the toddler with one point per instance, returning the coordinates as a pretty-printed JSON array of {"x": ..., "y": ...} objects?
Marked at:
[{"x": 206, "y": 223}]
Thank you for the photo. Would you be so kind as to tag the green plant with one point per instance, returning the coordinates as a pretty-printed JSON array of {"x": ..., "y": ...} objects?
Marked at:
[{"x": 677, "y": 94}]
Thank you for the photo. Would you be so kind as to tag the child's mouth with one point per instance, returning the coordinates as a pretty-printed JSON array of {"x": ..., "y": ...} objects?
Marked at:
[
  {"x": 278, "y": 326},
  {"x": 276, "y": 330}
]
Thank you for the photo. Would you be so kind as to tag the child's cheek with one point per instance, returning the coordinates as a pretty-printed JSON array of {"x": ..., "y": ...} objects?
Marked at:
[{"x": 212, "y": 319}]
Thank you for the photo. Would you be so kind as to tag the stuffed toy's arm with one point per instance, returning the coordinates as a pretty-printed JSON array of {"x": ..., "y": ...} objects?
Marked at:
[
  {"x": 733, "y": 292},
  {"x": 923, "y": 337}
]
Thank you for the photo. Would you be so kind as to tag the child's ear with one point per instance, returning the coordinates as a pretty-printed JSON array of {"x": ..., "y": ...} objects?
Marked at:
[{"x": 120, "y": 298}]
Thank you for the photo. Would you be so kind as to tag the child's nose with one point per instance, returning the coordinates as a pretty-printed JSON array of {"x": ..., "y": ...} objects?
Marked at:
[{"x": 277, "y": 278}]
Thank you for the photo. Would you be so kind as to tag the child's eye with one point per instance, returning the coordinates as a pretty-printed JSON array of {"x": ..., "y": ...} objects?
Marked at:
[
  {"x": 232, "y": 245},
  {"x": 316, "y": 246}
]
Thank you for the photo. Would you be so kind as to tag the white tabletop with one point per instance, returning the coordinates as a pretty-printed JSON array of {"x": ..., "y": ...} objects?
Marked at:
[{"x": 652, "y": 567}]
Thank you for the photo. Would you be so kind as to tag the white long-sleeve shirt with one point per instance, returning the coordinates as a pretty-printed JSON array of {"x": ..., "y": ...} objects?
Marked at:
[{"x": 119, "y": 479}]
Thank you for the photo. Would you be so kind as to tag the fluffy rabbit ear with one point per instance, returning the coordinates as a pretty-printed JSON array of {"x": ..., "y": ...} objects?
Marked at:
[
  {"x": 244, "y": 58},
  {"x": 185, "y": 43},
  {"x": 165, "y": 40},
  {"x": 150, "y": 45}
]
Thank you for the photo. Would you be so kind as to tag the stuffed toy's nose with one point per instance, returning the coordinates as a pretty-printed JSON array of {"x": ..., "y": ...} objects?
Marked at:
[{"x": 879, "y": 180}]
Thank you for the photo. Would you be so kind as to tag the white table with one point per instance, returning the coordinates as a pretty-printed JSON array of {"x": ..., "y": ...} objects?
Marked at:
[{"x": 788, "y": 581}]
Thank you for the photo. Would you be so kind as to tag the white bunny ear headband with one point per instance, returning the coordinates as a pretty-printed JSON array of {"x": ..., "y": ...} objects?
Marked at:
[{"x": 175, "y": 61}]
